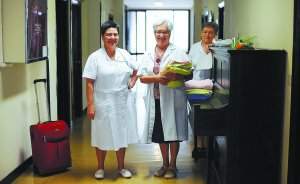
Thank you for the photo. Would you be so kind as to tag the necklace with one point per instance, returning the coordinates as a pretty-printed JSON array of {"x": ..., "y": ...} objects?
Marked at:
[
  {"x": 158, "y": 55},
  {"x": 159, "y": 52}
]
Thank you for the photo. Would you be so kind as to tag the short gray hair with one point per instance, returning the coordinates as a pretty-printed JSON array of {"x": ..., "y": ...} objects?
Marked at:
[
  {"x": 161, "y": 22},
  {"x": 212, "y": 25}
]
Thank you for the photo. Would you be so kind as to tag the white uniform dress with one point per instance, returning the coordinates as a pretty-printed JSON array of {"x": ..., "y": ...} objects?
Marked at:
[
  {"x": 202, "y": 62},
  {"x": 113, "y": 126}
]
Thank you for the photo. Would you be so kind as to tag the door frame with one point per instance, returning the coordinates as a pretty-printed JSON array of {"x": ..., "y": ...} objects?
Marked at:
[
  {"x": 294, "y": 146},
  {"x": 63, "y": 61}
]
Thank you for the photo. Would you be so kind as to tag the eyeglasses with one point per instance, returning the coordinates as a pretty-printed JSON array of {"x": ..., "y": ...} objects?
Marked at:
[
  {"x": 162, "y": 32},
  {"x": 208, "y": 31},
  {"x": 111, "y": 34}
]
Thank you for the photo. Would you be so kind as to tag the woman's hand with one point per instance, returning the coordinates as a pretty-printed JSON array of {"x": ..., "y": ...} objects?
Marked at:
[
  {"x": 91, "y": 112},
  {"x": 90, "y": 98},
  {"x": 133, "y": 79},
  {"x": 154, "y": 79},
  {"x": 172, "y": 76},
  {"x": 147, "y": 79},
  {"x": 163, "y": 79},
  {"x": 132, "y": 82}
]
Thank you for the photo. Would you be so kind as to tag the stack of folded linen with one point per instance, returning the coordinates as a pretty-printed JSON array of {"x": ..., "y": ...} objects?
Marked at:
[
  {"x": 199, "y": 90},
  {"x": 199, "y": 84},
  {"x": 182, "y": 68},
  {"x": 222, "y": 43}
]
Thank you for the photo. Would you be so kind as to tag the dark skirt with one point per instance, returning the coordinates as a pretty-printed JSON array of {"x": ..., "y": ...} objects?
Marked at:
[{"x": 158, "y": 133}]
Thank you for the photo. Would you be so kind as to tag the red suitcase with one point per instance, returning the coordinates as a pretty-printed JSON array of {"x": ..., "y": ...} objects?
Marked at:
[{"x": 50, "y": 143}]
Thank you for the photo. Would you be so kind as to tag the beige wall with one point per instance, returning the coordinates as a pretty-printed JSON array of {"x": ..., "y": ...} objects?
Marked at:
[
  {"x": 118, "y": 12},
  {"x": 90, "y": 30},
  {"x": 91, "y": 22},
  {"x": 1, "y": 49},
  {"x": 199, "y": 7},
  {"x": 271, "y": 21},
  {"x": 213, "y": 6},
  {"x": 116, "y": 8},
  {"x": 17, "y": 104}
]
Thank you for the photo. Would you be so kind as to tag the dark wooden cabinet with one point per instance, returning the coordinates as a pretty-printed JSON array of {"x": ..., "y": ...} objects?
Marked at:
[{"x": 247, "y": 111}]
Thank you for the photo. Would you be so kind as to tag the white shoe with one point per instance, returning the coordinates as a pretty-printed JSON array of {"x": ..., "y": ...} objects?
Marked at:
[
  {"x": 99, "y": 174},
  {"x": 125, "y": 173}
]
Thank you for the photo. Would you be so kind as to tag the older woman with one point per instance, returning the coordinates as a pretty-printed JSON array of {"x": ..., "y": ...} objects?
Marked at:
[
  {"x": 166, "y": 110},
  {"x": 200, "y": 54},
  {"x": 202, "y": 60},
  {"x": 108, "y": 73}
]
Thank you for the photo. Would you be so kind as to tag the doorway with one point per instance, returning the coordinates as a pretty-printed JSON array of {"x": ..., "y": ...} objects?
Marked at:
[
  {"x": 69, "y": 82},
  {"x": 140, "y": 38}
]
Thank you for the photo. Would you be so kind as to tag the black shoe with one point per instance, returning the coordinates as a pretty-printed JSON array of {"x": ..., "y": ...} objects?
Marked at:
[{"x": 202, "y": 152}]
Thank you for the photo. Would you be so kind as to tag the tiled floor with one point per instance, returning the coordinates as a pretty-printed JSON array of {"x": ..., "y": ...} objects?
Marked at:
[{"x": 142, "y": 159}]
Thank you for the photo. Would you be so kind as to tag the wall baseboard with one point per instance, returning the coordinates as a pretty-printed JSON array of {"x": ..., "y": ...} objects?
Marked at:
[{"x": 17, "y": 172}]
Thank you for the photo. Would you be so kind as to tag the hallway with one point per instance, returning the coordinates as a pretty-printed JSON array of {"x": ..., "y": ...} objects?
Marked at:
[{"x": 141, "y": 159}]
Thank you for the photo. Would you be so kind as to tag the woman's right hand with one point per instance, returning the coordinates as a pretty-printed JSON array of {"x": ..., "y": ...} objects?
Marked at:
[
  {"x": 91, "y": 112},
  {"x": 154, "y": 79},
  {"x": 147, "y": 79},
  {"x": 163, "y": 80}
]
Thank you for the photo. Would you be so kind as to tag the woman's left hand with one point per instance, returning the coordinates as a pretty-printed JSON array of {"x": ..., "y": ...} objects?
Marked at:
[
  {"x": 131, "y": 83},
  {"x": 172, "y": 76},
  {"x": 133, "y": 79}
]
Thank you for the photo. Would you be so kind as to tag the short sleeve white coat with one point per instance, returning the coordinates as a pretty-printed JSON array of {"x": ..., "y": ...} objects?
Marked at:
[{"x": 111, "y": 128}]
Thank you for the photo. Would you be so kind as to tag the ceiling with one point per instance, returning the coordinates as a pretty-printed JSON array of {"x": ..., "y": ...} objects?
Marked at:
[{"x": 159, "y": 4}]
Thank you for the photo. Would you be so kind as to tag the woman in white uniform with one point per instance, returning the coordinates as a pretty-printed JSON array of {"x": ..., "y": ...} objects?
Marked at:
[
  {"x": 110, "y": 73},
  {"x": 200, "y": 54},
  {"x": 202, "y": 60},
  {"x": 165, "y": 108}
]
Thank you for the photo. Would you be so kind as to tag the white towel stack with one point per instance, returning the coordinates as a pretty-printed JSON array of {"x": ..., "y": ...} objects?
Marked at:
[{"x": 199, "y": 84}]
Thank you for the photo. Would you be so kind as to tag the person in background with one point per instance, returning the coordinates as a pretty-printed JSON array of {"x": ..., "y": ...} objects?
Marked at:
[
  {"x": 202, "y": 60},
  {"x": 165, "y": 108},
  {"x": 110, "y": 73}
]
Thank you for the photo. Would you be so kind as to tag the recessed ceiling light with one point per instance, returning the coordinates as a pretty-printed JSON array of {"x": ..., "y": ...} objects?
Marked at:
[
  {"x": 221, "y": 4},
  {"x": 75, "y": 2},
  {"x": 158, "y": 3}
]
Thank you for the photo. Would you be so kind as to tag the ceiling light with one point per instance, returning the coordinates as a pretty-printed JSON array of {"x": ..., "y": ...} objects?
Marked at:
[
  {"x": 75, "y": 2},
  {"x": 221, "y": 4},
  {"x": 158, "y": 3}
]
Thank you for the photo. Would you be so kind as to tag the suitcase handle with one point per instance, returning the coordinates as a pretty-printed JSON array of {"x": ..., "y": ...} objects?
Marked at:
[{"x": 37, "y": 101}]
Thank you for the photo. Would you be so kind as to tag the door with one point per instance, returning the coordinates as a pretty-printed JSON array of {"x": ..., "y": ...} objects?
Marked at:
[
  {"x": 76, "y": 60},
  {"x": 63, "y": 64},
  {"x": 69, "y": 84}
]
